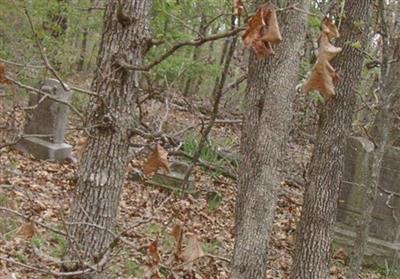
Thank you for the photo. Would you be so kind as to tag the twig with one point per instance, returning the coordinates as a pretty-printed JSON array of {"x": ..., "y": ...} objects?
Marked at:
[
  {"x": 22, "y": 65},
  {"x": 164, "y": 119},
  {"x": 28, "y": 218},
  {"x": 47, "y": 271},
  {"x": 77, "y": 89},
  {"x": 207, "y": 165},
  {"x": 173, "y": 49},
  {"x": 37, "y": 91},
  {"x": 218, "y": 91},
  {"x": 42, "y": 54}
]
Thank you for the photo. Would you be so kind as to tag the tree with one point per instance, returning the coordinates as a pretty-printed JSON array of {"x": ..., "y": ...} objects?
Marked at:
[
  {"x": 269, "y": 94},
  {"x": 111, "y": 118},
  {"x": 311, "y": 259}
]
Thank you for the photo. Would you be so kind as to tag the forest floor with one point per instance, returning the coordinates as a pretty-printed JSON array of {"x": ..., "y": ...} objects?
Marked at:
[{"x": 149, "y": 219}]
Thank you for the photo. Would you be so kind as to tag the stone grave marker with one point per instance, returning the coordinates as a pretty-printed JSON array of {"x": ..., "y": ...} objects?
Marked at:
[
  {"x": 384, "y": 241},
  {"x": 46, "y": 124},
  {"x": 172, "y": 181}
]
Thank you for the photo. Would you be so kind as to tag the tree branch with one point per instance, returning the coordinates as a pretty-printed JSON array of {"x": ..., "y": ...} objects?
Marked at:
[{"x": 195, "y": 42}]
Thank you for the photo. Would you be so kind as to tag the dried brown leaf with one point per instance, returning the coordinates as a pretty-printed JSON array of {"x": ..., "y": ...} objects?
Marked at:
[
  {"x": 323, "y": 75},
  {"x": 262, "y": 31},
  {"x": 177, "y": 233},
  {"x": 158, "y": 159},
  {"x": 3, "y": 79},
  {"x": 193, "y": 250},
  {"x": 327, "y": 51},
  {"x": 27, "y": 231},
  {"x": 329, "y": 28},
  {"x": 152, "y": 251}
]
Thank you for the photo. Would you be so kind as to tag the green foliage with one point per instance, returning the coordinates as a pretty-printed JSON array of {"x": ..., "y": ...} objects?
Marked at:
[
  {"x": 132, "y": 268},
  {"x": 60, "y": 245},
  {"x": 8, "y": 225},
  {"x": 214, "y": 199},
  {"x": 315, "y": 96},
  {"x": 37, "y": 241},
  {"x": 21, "y": 258},
  {"x": 305, "y": 67},
  {"x": 388, "y": 271},
  {"x": 153, "y": 229},
  {"x": 207, "y": 154},
  {"x": 175, "y": 21},
  {"x": 212, "y": 246},
  {"x": 356, "y": 45},
  {"x": 314, "y": 24}
]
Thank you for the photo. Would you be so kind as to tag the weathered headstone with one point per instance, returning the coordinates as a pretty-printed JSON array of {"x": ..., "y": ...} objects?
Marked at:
[
  {"x": 46, "y": 124},
  {"x": 384, "y": 241},
  {"x": 172, "y": 181}
]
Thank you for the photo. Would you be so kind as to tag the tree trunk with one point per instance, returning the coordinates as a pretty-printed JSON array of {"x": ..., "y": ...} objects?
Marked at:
[
  {"x": 269, "y": 96},
  {"x": 82, "y": 55},
  {"x": 195, "y": 56},
  {"x": 104, "y": 162},
  {"x": 315, "y": 230}
]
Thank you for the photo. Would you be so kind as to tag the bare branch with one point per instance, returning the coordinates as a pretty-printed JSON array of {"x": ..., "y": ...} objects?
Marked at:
[
  {"x": 28, "y": 218},
  {"x": 47, "y": 271},
  {"x": 42, "y": 54},
  {"x": 22, "y": 65},
  {"x": 173, "y": 49},
  {"x": 37, "y": 91}
]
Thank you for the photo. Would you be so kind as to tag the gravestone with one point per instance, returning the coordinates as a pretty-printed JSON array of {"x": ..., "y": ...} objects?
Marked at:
[
  {"x": 384, "y": 241},
  {"x": 171, "y": 182},
  {"x": 46, "y": 124}
]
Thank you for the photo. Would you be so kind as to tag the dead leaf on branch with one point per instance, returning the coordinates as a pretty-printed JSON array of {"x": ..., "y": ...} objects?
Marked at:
[
  {"x": 329, "y": 28},
  {"x": 238, "y": 7},
  {"x": 323, "y": 75},
  {"x": 158, "y": 159},
  {"x": 263, "y": 31}
]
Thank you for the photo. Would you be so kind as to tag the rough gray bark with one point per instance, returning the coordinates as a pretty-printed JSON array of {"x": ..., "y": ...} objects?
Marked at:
[
  {"x": 103, "y": 164},
  {"x": 269, "y": 96},
  {"x": 389, "y": 87},
  {"x": 315, "y": 230}
]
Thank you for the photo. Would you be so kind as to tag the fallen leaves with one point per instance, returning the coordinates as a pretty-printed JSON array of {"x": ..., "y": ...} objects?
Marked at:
[
  {"x": 323, "y": 75},
  {"x": 158, "y": 160},
  {"x": 192, "y": 251},
  {"x": 263, "y": 31}
]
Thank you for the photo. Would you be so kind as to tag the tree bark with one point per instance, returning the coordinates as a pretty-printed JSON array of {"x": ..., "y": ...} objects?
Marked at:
[
  {"x": 269, "y": 96},
  {"x": 195, "y": 56},
  {"x": 104, "y": 162},
  {"x": 315, "y": 230}
]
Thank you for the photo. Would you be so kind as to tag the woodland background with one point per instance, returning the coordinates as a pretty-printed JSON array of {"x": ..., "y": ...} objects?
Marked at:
[{"x": 175, "y": 105}]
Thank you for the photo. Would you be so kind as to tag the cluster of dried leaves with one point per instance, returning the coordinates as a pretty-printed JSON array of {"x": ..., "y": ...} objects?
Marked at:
[
  {"x": 263, "y": 31},
  {"x": 323, "y": 75}
]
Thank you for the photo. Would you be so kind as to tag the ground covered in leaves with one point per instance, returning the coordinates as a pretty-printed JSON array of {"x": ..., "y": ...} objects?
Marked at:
[{"x": 162, "y": 233}]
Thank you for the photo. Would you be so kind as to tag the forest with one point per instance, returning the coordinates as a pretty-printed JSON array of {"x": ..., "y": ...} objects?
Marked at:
[{"x": 240, "y": 139}]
